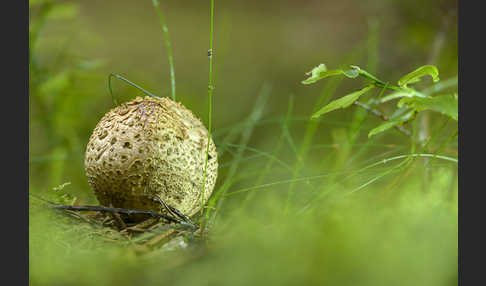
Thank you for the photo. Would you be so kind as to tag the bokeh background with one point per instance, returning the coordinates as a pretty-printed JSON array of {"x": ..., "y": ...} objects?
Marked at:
[{"x": 261, "y": 47}]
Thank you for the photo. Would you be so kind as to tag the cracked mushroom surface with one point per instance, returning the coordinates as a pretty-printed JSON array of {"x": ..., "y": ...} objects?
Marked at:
[{"x": 147, "y": 148}]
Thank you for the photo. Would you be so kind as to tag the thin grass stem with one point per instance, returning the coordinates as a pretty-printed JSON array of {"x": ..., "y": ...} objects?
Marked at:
[
  {"x": 115, "y": 101},
  {"x": 264, "y": 154},
  {"x": 328, "y": 174},
  {"x": 163, "y": 25},
  {"x": 274, "y": 158},
  {"x": 210, "y": 100}
]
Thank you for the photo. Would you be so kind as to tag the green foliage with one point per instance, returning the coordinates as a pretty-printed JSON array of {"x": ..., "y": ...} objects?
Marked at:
[
  {"x": 343, "y": 102},
  {"x": 415, "y": 76},
  {"x": 63, "y": 197},
  {"x": 445, "y": 104},
  {"x": 389, "y": 124},
  {"x": 61, "y": 86},
  {"x": 321, "y": 72},
  {"x": 412, "y": 101}
]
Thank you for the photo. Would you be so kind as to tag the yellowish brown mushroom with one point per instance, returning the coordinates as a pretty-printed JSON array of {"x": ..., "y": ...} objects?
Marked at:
[{"x": 150, "y": 148}]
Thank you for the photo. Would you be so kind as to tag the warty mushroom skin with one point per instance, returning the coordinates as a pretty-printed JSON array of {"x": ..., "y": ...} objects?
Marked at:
[{"x": 147, "y": 148}]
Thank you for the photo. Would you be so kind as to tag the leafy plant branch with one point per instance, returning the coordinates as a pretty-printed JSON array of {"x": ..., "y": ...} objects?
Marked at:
[{"x": 411, "y": 101}]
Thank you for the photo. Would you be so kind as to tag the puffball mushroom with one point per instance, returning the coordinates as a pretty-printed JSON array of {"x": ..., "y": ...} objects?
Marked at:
[{"x": 151, "y": 148}]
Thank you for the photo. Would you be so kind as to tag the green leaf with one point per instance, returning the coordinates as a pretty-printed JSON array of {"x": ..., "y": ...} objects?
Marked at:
[
  {"x": 366, "y": 74},
  {"x": 389, "y": 124},
  {"x": 445, "y": 104},
  {"x": 418, "y": 73},
  {"x": 314, "y": 73},
  {"x": 343, "y": 102},
  {"x": 400, "y": 94},
  {"x": 321, "y": 72}
]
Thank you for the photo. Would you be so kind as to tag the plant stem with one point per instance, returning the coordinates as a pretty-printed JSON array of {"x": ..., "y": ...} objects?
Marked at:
[
  {"x": 210, "y": 99},
  {"x": 386, "y": 85},
  {"x": 167, "y": 44},
  {"x": 382, "y": 116}
]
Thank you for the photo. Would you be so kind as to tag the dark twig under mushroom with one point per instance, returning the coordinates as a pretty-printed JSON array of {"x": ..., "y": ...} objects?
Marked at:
[{"x": 117, "y": 210}]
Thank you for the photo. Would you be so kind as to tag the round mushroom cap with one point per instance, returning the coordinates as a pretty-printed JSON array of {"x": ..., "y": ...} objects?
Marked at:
[{"x": 151, "y": 148}]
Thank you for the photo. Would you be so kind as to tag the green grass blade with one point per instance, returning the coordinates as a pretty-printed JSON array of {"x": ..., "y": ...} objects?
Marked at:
[
  {"x": 165, "y": 30},
  {"x": 274, "y": 159},
  {"x": 217, "y": 199}
]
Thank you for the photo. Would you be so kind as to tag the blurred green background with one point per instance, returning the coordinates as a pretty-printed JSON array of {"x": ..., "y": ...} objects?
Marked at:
[{"x": 398, "y": 228}]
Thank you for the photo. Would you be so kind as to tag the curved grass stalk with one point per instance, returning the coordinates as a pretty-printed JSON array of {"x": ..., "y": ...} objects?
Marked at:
[
  {"x": 384, "y": 161},
  {"x": 113, "y": 98},
  {"x": 446, "y": 158},
  {"x": 389, "y": 171}
]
